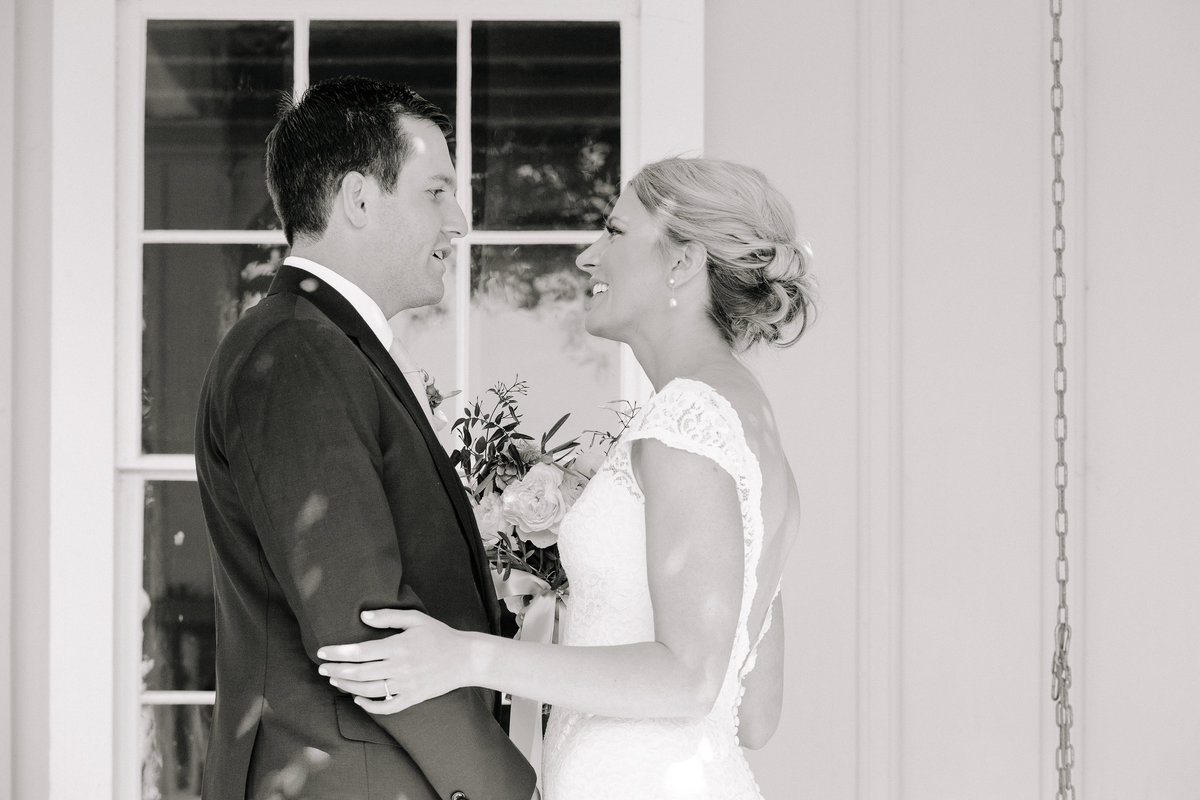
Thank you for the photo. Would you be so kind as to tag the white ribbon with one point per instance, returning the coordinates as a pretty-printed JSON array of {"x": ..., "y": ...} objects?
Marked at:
[{"x": 525, "y": 717}]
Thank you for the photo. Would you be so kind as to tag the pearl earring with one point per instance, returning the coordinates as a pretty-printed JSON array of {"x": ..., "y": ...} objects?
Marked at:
[{"x": 672, "y": 303}]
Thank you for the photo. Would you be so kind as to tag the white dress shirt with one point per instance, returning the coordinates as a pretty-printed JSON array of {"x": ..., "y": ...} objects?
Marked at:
[{"x": 367, "y": 308}]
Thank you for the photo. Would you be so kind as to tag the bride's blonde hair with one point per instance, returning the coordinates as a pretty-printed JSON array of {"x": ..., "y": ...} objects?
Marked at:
[{"x": 759, "y": 281}]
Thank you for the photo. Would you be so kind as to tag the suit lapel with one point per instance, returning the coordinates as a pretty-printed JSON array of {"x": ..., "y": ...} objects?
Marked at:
[{"x": 339, "y": 311}]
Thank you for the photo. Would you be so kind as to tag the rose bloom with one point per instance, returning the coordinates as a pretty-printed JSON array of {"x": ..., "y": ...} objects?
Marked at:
[
  {"x": 535, "y": 504},
  {"x": 530, "y": 452},
  {"x": 489, "y": 516}
]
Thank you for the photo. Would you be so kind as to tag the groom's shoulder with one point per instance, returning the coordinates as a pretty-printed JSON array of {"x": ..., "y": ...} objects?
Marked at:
[
  {"x": 279, "y": 325},
  {"x": 280, "y": 316}
]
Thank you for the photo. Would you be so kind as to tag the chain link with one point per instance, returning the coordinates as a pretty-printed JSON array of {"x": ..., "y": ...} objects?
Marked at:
[{"x": 1060, "y": 667}]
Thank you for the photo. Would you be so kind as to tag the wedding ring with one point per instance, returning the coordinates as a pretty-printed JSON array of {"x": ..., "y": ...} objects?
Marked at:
[{"x": 386, "y": 690}]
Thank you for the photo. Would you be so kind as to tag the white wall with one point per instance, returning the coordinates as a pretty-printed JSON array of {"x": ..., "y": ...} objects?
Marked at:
[
  {"x": 30, "y": 432},
  {"x": 767, "y": 107},
  {"x": 62, "y": 370},
  {"x": 1141, "y": 631},
  {"x": 8, "y": 24},
  {"x": 913, "y": 139}
]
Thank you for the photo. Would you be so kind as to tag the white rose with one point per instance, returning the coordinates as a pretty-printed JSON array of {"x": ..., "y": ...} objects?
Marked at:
[
  {"x": 535, "y": 504},
  {"x": 489, "y": 516}
]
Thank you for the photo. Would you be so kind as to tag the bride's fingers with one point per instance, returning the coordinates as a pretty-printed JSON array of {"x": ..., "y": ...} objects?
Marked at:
[
  {"x": 360, "y": 672},
  {"x": 376, "y": 648},
  {"x": 346, "y": 652},
  {"x": 381, "y": 707},
  {"x": 372, "y": 650},
  {"x": 371, "y": 690},
  {"x": 394, "y": 618}
]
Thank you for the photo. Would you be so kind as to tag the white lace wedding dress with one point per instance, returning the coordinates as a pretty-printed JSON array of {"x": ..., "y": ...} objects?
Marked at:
[{"x": 603, "y": 545}]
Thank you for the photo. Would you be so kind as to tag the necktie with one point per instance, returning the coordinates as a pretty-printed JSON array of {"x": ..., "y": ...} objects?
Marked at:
[{"x": 416, "y": 381}]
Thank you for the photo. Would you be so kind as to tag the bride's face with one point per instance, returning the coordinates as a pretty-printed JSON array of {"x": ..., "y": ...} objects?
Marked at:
[{"x": 628, "y": 274}]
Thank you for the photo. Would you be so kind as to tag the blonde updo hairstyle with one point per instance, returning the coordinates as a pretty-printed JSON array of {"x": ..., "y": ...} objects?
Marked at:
[{"x": 758, "y": 274}]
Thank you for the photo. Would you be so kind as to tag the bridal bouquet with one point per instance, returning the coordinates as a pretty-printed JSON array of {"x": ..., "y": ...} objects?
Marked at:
[{"x": 521, "y": 488}]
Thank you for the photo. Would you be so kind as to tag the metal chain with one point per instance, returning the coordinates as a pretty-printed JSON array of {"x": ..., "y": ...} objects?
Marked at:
[{"x": 1060, "y": 667}]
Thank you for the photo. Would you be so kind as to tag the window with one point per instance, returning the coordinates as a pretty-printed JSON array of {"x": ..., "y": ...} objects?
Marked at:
[{"x": 546, "y": 100}]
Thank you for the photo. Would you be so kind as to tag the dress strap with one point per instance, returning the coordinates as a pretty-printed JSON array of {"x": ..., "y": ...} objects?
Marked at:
[
  {"x": 691, "y": 416},
  {"x": 752, "y": 657}
]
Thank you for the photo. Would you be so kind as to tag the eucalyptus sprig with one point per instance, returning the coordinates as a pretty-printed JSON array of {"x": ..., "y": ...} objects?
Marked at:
[
  {"x": 489, "y": 439},
  {"x": 625, "y": 411},
  {"x": 493, "y": 452}
]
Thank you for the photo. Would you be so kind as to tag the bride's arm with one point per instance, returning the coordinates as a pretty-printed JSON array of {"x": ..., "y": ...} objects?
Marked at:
[{"x": 694, "y": 556}]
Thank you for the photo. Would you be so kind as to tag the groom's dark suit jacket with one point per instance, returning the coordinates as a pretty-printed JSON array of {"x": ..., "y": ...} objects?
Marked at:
[{"x": 326, "y": 493}]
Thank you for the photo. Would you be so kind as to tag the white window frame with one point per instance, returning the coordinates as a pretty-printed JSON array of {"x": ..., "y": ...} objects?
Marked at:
[{"x": 662, "y": 114}]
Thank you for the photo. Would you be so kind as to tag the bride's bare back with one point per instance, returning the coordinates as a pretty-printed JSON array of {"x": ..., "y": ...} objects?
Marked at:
[{"x": 781, "y": 523}]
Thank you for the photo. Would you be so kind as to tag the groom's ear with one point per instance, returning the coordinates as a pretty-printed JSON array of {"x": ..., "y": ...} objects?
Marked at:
[{"x": 353, "y": 198}]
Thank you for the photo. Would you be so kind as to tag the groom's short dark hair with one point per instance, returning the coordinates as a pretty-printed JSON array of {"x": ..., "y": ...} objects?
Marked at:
[{"x": 339, "y": 125}]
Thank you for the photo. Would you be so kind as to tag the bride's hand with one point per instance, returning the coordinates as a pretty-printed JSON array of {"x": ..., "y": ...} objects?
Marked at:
[{"x": 389, "y": 675}]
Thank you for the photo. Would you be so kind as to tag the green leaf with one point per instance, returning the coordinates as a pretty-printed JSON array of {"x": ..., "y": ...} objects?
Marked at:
[
  {"x": 561, "y": 447},
  {"x": 554, "y": 429}
]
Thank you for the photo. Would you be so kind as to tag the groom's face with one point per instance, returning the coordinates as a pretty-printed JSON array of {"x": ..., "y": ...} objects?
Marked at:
[{"x": 418, "y": 219}]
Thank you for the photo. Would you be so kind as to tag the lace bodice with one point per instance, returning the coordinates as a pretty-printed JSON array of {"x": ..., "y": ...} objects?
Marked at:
[{"x": 603, "y": 546}]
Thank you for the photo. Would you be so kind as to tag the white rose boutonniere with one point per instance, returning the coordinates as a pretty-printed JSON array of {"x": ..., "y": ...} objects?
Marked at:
[
  {"x": 434, "y": 395},
  {"x": 435, "y": 398}
]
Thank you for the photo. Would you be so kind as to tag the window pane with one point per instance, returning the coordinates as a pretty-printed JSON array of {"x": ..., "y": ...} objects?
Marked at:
[
  {"x": 212, "y": 90},
  {"x": 546, "y": 123},
  {"x": 527, "y": 321},
  {"x": 174, "y": 741},
  {"x": 178, "y": 628},
  {"x": 191, "y": 295},
  {"x": 421, "y": 54}
]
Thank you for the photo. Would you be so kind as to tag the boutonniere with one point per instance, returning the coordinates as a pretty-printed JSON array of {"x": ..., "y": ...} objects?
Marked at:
[{"x": 433, "y": 394}]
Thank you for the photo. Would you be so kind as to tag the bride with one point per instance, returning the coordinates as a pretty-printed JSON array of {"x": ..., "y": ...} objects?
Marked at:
[{"x": 672, "y": 659}]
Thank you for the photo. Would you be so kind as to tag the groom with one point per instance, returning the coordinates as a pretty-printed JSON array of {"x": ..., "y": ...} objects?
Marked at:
[{"x": 324, "y": 487}]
